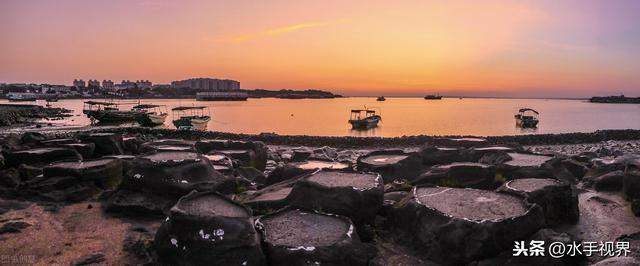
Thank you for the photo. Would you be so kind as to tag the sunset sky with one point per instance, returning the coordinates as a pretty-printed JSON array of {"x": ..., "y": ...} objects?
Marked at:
[{"x": 471, "y": 48}]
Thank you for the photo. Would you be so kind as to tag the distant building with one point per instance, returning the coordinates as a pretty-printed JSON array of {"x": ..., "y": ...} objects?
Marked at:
[
  {"x": 93, "y": 83},
  {"x": 144, "y": 84},
  {"x": 126, "y": 84},
  {"x": 207, "y": 84},
  {"x": 107, "y": 84},
  {"x": 78, "y": 83}
]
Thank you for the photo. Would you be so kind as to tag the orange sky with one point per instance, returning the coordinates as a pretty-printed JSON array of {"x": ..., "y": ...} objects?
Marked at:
[{"x": 471, "y": 48}]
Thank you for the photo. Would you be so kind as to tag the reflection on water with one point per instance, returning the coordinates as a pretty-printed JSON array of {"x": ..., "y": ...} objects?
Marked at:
[{"x": 400, "y": 116}]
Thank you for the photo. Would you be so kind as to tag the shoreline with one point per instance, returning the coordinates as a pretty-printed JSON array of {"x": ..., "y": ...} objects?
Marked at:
[{"x": 362, "y": 142}]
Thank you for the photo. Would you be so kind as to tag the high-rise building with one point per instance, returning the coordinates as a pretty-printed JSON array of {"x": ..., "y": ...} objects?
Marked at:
[
  {"x": 78, "y": 83},
  {"x": 144, "y": 84},
  {"x": 207, "y": 84},
  {"x": 107, "y": 84},
  {"x": 93, "y": 83}
]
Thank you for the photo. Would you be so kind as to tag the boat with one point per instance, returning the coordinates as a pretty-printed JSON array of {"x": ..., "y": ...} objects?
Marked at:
[
  {"x": 221, "y": 96},
  {"x": 381, "y": 99},
  {"x": 364, "y": 118},
  {"x": 433, "y": 97},
  {"x": 149, "y": 115},
  {"x": 21, "y": 97},
  {"x": 107, "y": 112},
  {"x": 527, "y": 118},
  {"x": 190, "y": 117}
]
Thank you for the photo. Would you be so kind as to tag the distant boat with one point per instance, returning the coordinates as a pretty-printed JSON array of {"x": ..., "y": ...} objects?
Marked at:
[
  {"x": 221, "y": 96},
  {"x": 190, "y": 117},
  {"x": 527, "y": 118},
  {"x": 381, "y": 99},
  {"x": 107, "y": 112},
  {"x": 149, "y": 115},
  {"x": 21, "y": 97},
  {"x": 433, "y": 97},
  {"x": 364, "y": 119}
]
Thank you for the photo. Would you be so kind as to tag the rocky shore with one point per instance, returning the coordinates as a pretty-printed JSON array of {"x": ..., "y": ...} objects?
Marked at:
[
  {"x": 131, "y": 196},
  {"x": 12, "y": 114}
]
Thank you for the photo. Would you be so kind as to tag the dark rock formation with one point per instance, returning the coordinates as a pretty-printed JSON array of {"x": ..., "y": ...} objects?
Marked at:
[
  {"x": 174, "y": 174},
  {"x": 558, "y": 200},
  {"x": 355, "y": 195},
  {"x": 138, "y": 204},
  {"x": 270, "y": 198},
  {"x": 13, "y": 227},
  {"x": 41, "y": 156},
  {"x": 392, "y": 164},
  {"x": 167, "y": 145},
  {"x": 251, "y": 153},
  {"x": 631, "y": 183},
  {"x": 205, "y": 228},
  {"x": 441, "y": 155},
  {"x": 286, "y": 172},
  {"x": 454, "y": 226},
  {"x": 105, "y": 143},
  {"x": 611, "y": 181},
  {"x": 464, "y": 174},
  {"x": 461, "y": 142},
  {"x": 104, "y": 173},
  {"x": 295, "y": 237}
]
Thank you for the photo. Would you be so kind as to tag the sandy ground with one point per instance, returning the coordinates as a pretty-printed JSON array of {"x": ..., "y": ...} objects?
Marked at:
[{"x": 65, "y": 236}]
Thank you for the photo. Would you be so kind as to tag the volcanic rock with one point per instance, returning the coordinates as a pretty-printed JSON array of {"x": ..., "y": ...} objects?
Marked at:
[
  {"x": 296, "y": 237},
  {"x": 523, "y": 159},
  {"x": 355, "y": 195},
  {"x": 441, "y": 155},
  {"x": 168, "y": 145},
  {"x": 105, "y": 173},
  {"x": 460, "y": 142},
  {"x": 270, "y": 198},
  {"x": 41, "y": 156},
  {"x": 251, "y": 153},
  {"x": 558, "y": 200},
  {"x": 320, "y": 164},
  {"x": 105, "y": 143},
  {"x": 391, "y": 164},
  {"x": 85, "y": 149},
  {"x": 286, "y": 172},
  {"x": 478, "y": 152},
  {"x": 205, "y": 228},
  {"x": 631, "y": 183},
  {"x": 138, "y": 204},
  {"x": 456, "y": 226},
  {"x": 611, "y": 181},
  {"x": 463, "y": 174},
  {"x": 174, "y": 174}
]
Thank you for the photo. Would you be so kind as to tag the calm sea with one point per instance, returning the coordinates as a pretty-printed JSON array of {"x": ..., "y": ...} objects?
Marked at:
[{"x": 400, "y": 116}]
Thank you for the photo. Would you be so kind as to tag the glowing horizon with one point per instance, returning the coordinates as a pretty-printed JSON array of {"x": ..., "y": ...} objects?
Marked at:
[{"x": 467, "y": 48}]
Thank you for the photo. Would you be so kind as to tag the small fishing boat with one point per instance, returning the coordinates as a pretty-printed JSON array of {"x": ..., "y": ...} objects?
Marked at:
[
  {"x": 149, "y": 115},
  {"x": 107, "y": 112},
  {"x": 190, "y": 117},
  {"x": 21, "y": 97},
  {"x": 527, "y": 118},
  {"x": 364, "y": 118},
  {"x": 433, "y": 97},
  {"x": 381, "y": 99}
]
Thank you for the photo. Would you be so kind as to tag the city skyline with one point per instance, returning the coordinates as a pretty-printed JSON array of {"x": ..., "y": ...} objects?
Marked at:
[{"x": 467, "y": 48}]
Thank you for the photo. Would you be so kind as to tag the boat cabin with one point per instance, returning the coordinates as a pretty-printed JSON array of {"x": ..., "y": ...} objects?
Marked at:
[{"x": 527, "y": 118}]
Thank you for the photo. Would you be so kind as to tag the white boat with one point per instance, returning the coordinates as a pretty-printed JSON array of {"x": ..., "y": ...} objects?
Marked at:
[
  {"x": 149, "y": 115},
  {"x": 21, "y": 96},
  {"x": 191, "y": 117}
]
